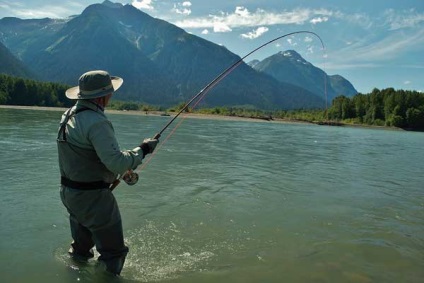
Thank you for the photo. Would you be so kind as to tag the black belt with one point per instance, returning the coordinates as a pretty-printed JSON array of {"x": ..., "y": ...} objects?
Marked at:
[{"x": 84, "y": 185}]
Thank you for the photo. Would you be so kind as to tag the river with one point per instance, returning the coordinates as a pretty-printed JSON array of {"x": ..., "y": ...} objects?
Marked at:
[{"x": 227, "y": 201}]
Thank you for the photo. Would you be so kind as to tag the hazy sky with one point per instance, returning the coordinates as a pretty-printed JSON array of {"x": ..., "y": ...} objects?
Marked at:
[{"x": 372, "y": 43}]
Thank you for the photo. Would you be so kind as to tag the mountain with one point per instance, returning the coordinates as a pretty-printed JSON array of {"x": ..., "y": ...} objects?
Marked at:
[
  {"x": 10, "y": 65},
  {"x": 341, "y": 86},
  {"x": 290, "y": 66},
  {"x": 160, "y": 63}
]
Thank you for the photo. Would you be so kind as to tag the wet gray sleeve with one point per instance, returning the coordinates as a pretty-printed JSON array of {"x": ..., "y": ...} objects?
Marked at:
[{"x": 102, "y": 137}]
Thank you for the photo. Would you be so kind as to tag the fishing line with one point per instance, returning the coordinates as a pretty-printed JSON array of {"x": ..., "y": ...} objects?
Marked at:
[
  {"x": 168, "y": 136},
  {"x": 226, "y": 72},
  {"x": 201, "y": 94}
]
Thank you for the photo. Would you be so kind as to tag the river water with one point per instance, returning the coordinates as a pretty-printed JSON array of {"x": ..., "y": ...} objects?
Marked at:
[{"x": 227, "y": 201}]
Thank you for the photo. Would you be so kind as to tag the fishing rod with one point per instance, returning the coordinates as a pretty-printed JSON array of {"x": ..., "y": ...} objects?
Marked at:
[
  {"x": 131, "y": 177},
  {"x": 225, "y": 73}
]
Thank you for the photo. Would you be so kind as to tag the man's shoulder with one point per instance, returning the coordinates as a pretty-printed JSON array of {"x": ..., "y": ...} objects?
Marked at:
[{"x": 92, "y": 117}]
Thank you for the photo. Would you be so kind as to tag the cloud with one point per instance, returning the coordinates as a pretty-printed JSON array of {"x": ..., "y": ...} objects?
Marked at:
[
  {"x": 221, "y": 27},
  {"x": 358, "y": 19},
  {"x": 23, "y": 11},
  {"x": 371, "y": 53},
  {"x": 403, "y": 19},
  {"x": 241, "y": 11},
  {"x": 242, "y": 17},
  {"x": 255, "y": 34},
  {"x": 182, "y": 8},
  {"x": 5, "y": 6},
  {"x": 182, "y": 11},
  {"x": 390, "y": 18},
  {"x": 390, "y": 46},
  {"x": 308, "y": 39},
  {"x": 413, "y": 66},
  {"x": 143, "y": 4},
  {"x": 318, "y": 20},
  {"x": 291, "y": 42},
  {"x": 332, "y": 65},
  {"x": 387, "y": 38},
  {"x": 36, "y": 14}
]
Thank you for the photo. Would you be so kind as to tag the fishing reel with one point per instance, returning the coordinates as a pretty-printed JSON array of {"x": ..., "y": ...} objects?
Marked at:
[{"x": 131, "y": 178}]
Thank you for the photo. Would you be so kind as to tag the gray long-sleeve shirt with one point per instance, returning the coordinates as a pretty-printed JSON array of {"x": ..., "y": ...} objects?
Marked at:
[{"x": 92, "y": 152}]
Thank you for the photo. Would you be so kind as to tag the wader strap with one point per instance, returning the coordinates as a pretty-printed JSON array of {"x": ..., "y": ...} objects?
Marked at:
[
  {"x": 84, "y": 185},
  {"x": 69, "y": 114}
]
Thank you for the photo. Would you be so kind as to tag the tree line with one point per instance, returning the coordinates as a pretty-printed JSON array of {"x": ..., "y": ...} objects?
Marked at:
[
  {"x": 20, "y": 91},
  {"x": 386, "y": 107}
]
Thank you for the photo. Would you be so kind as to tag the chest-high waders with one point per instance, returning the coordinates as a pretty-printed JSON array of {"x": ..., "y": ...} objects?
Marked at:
[
  {"x": 94, "y": 215},
  {"x": 80, "y": 168}
]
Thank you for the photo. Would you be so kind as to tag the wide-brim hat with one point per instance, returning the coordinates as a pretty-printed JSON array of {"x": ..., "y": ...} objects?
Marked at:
[{"x": 94, "y": 84}]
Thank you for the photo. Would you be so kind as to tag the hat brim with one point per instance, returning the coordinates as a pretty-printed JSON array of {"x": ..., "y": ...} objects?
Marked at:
[{"x": 74, "y": 92}]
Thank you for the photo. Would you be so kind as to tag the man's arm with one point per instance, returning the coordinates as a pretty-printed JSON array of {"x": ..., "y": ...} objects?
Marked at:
[{"x": 102, "y": 137}]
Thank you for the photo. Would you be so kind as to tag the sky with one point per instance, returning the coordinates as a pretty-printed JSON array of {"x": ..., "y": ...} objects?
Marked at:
[{"x": 371, "y": 43}]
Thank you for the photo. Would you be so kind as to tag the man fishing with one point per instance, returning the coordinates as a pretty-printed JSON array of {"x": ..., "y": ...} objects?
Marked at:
[{"x": 90, "y": 161}]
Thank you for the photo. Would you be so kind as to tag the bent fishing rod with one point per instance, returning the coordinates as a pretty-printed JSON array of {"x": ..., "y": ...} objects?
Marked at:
[
  {"x": 227, "y": 71},
  {"x": 132, "y": 177}
]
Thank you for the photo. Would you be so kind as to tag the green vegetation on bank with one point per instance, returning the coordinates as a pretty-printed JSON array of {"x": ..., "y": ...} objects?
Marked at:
[
  {"x": 387, "y": 107},
  {"x": 19, "y": 91},
  {"x": 131, "y": 106}
]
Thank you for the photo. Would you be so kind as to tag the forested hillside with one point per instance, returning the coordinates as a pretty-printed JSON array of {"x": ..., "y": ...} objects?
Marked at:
[
  {"x": 19, "y": 91},
  {"x": 387, "y": 107}
]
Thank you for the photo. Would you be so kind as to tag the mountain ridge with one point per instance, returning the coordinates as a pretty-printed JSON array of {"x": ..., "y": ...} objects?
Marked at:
[
  {"x": 290, "y": 66},
  {"x": 11, "y": 65},
  {"x": 160, "y": 62}
]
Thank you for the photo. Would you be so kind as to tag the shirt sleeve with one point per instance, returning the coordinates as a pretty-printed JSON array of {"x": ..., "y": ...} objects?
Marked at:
[{"x": 102, "y": 137}]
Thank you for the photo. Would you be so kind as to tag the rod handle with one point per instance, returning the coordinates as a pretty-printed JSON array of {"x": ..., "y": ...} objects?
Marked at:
[{"x": 115, "y": 184}]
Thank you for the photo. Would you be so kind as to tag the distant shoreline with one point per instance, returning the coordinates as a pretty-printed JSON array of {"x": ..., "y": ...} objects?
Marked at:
[
  {"x": 203, "y": 116},
  {"x": 158, "y": 113}
]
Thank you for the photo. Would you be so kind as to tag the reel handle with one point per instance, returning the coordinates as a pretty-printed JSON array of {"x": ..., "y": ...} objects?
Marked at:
[{"x": 130, "y": 177}]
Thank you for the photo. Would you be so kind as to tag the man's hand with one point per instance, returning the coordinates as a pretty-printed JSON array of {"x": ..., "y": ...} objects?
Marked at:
[{"x": 148, "y": 146}]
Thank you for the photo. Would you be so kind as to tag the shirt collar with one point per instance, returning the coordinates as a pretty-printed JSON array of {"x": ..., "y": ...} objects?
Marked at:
[{"x": 81, "y": 103}]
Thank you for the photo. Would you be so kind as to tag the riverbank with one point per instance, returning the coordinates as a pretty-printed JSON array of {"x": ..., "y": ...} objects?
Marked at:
[
  {"x": 159, "y": 113},
  {"x": 206, "y": 116}
]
